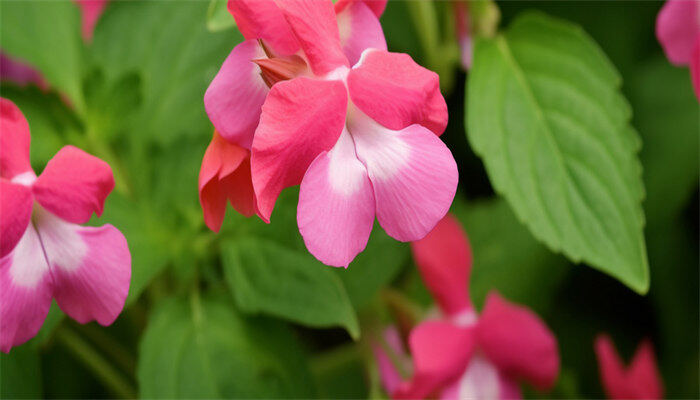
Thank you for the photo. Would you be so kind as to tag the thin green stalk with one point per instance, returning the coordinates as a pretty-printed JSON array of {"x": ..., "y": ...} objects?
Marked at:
[{"x": 102, "y": 369}]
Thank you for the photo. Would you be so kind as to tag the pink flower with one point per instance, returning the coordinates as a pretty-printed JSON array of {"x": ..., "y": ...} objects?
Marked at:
[
  {"x": 463, "y": 30},
  {"x": 361, "y": 141},
  {"x": 460, "y": 354},
  {"x": 45, "y": 253},
  {"x": 640, "y": 381},
  {"x": 20, "y": 73},
  {"x": 91, "y": 10},
  {"x": 235, "y": 97},
  {"x": 678, "y": 31}
]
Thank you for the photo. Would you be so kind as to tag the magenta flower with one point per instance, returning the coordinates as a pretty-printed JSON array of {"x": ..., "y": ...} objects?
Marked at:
[
  {"x": 463, "y": 30},
  {"x": 235, "y": 97},
  {"x": 640, "y": 381},
  {"x": 90, "y": 11},
  {"x": 463, "y": 355},
  {"x": 678, "y": 31},
  {"x": 20, "y": 73},
  {"x": 361, "y": 141},
  {"x": 45, "y": 254}
]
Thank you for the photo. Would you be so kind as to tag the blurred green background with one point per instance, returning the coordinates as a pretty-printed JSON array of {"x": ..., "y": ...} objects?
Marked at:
[{"x": 248, "y": 312}]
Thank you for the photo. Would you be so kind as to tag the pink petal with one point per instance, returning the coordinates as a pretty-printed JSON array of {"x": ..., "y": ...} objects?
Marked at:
[
  {"x": 612, "y": 372},
  {"x": 25, "y": 291},
  {"x": 262, "y": 19},
  {"x": 376, "y": 6},
  {"x": 336, "y": 205},
  {"x": 235, "y": 96},
  {"x": 389, "y": 375},
  {"x": 481, "y": 380},
  {"x": 74, "y": 184},
  {"x": 677, "y": 29},
  {"x": 444, "y": 260},
  {"x": 91, "y": 268},
  {"x": 413, "y": 174},
  {"x": 91, "y": 11},
  {"x": 15, "y": 212},
  {"x": 644, "y": 374},
  {"x": 396, "y": 92},
  {"x": 225, "y": 175},
  {"x": 20, "y": 73},
  {"x": 518, "y": 342},
  {"x": 14, "y": 141},
  {"x": 359, "y": 30},
  {"x": 641, "y": 381},
  {"x": 316, "y": 29},
  {"x": 300, "y": 118},
  {"x": 695, "y": 68},
  {"x": 441, "y": 352},
  {"x": 463, "y": 29}
]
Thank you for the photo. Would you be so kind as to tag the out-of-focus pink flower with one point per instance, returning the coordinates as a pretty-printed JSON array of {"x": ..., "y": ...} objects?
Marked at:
[
  {"x": 91, "y": 10},
  {"x": 641, "y": 380},
  {"x": 388, "y": 373},
  {"x": 678, "y": 31},
  {"x": 463, "y": 30},
  {"x": 45, "y": 253},
  {"x": 462, "y": 355},
  {"x": 361, "y": 141},
  {"x": 20, "y": 73}
]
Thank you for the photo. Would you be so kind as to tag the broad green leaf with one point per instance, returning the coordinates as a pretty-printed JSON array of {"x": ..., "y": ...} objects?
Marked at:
[
  {"x": 168, "y": 45},
  {"x": 546, "y": 115},
  {"x": 376, "y": 266},
  {"x": 203, "y": 348},
  {"x": 20, "y": 373},
  {"x": 218, "y": 17},
  {"x": 46, "y": 34},
  {"x": 266, "y": 277},
  {"x": 507, "y": 258}
]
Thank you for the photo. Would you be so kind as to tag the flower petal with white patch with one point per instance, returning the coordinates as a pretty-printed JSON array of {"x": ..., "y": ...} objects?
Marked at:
[{"x": 336, "y": 205}]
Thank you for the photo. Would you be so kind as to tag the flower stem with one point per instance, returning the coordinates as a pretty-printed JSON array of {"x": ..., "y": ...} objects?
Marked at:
[{"x": 102, "y": 369}]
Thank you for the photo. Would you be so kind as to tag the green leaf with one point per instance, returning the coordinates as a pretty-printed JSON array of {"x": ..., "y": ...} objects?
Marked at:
[
  {"x": 266, "y": 277},
  {"x": 20, "y": 374},
  {"x": 546, "y": 115},
  {"x": 168, "y": 45},
  {"x": 376, "y": 266},
  {"x": 507, "y": 258},
  {"x": 218, "y": 17},
  {"x": 47, "y": 36},
  {"x": 205, "y": 349}
]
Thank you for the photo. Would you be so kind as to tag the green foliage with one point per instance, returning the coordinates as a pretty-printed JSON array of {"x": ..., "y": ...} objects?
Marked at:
[
  {"x": 507, "y": 258},
  {"x": 205, "y": 349},
  {"x": 20, "y": 376},
  {"x": 47, "y": 36},
  {"x": 545, "y": 113},
  {"x": 218, "y": 17},
  {"x": 266, "y": 277}
]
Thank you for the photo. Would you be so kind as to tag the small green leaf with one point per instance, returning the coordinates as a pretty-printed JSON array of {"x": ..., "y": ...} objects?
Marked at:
[
  {"x": 266, "y": 277},
  {"x": 218, "y": 17},
  {"x": 204, "y": 349},
  {"x": 546, "y": 115},
  {"x": 47, "y": 36}
]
